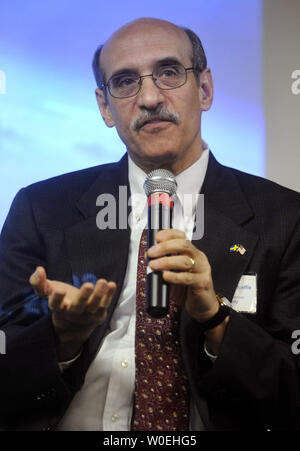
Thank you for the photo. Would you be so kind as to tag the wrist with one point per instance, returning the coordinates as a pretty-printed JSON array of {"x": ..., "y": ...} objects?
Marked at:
[
  {"x": 67, "y": 351},
  {"x": 214, "y": 337},
  {"x": 203, "y": 317},
  {"x": 68, "y": 345},
  {"x": 214, "y": 319}
]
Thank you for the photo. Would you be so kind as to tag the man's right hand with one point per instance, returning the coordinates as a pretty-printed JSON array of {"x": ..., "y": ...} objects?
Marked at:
[{"x": 75, "y": 312}]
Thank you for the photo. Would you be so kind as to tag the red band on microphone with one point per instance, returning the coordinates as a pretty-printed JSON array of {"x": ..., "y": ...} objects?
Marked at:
[{"x": 160, "y": 198}]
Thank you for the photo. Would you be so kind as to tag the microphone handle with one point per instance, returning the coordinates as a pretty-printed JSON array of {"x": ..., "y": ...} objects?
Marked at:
[{"x": 157, "y": 290}]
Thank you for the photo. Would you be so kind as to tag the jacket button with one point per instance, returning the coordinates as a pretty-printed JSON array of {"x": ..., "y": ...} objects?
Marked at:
[{"x": 220, "y": 393}]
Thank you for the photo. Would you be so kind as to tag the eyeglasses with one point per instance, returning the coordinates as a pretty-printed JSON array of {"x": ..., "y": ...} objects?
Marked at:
[{"x": 170, "y": 76}]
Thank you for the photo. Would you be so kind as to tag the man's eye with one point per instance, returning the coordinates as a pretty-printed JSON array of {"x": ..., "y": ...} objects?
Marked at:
[
  {"x": 123, "y": 82},
  {"x": 168, "y": 72}
]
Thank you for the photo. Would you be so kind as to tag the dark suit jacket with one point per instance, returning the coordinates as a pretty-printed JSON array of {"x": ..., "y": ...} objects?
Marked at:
[{"x": 255, "y": 382}]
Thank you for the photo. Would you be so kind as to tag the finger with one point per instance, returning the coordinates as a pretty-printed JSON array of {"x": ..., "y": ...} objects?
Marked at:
[
  {"x": 201, "y": 281},
  {"x": 78, "y": 304},
  {"x": 56, "y": 301},
  {"x": 106, "y": 299},
  {"x": 39, "y": 282},
  {"x": 169, "y": 234},
  {"x": 101, "y": 296},
  {"x": 95, "y": 298},
  {"x": 173, "y": 263},
  {"x": 105, "y": 302},
  {"x": 180, "y": 278},
  {"x": 174, "y": 246}
]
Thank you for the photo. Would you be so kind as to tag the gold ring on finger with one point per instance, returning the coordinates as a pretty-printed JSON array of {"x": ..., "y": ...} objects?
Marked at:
[{"x": 192, "y": 263}]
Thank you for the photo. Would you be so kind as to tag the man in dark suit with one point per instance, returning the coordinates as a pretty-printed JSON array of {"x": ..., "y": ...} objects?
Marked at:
[{"x": 153, "y": 85}]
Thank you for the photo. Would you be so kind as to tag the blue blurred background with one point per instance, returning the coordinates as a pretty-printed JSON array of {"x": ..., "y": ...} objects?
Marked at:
[{"x": 49, "y": 119}]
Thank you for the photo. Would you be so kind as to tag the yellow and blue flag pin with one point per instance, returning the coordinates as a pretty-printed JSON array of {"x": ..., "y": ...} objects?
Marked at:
[{"x": 237, "y": 248}]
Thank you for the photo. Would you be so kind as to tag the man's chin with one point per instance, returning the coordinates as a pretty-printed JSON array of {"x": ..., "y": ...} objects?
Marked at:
[{"x": 149, "y": 160}]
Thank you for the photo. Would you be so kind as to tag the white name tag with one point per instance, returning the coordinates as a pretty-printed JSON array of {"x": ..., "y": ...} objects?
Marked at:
[{"x": 245, "y": 296}]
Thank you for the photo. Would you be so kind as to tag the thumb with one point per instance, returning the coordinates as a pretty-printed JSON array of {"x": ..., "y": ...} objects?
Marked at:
[{"x": 39, "y": 282}]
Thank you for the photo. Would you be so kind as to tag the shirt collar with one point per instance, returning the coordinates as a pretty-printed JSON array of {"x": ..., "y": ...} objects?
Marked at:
[{"x": 189, "y": 182}]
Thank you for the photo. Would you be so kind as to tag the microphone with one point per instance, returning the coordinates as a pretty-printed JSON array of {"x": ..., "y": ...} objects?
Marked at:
[{"x": 159, "y": 186}]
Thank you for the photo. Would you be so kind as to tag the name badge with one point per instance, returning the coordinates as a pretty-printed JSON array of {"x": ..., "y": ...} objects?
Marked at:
[{"x": 245, "y": 296}]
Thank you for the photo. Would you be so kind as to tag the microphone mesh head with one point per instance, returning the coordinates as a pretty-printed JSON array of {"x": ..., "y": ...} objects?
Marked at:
[{"x": 160, "y": 181}]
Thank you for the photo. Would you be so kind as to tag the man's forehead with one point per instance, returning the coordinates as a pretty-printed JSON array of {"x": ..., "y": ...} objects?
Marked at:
[{"x": 144, "y": 40}]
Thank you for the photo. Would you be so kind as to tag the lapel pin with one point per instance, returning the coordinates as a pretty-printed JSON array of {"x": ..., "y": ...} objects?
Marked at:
[{"x": 237, "y": 248}]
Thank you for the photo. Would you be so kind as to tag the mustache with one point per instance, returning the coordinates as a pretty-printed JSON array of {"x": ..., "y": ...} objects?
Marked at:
[{"x": 161, "y": 114}]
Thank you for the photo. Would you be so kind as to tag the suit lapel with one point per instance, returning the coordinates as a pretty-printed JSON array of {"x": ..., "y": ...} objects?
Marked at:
[
  {"x": 227, "y": 267},
  {"x": 226, "y": 210}
]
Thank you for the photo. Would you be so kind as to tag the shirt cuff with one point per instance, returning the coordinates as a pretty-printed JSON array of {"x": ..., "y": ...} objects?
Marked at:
[
  {"x": 64, "y": 365},
  {"x": 212, "y": 357}
]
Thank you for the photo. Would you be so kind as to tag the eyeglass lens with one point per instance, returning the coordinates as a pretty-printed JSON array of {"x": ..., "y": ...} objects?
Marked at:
[{"x": 165, "y": 77}]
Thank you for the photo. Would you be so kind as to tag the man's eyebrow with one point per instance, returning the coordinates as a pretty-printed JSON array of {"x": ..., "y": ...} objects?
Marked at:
[
  {"x": 123, "y": 71},
  {"x": 168, "y": 60},
  {"x": 163, "y": 62}
]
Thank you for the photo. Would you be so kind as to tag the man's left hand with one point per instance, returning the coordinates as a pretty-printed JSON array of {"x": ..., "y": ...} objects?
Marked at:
[
  {"x": 188, "y": 270},
  {"x": 184, "y": 265}
]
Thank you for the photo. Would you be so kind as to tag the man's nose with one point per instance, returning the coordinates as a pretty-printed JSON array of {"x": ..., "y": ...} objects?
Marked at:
[{"x": 149, "y": 95}]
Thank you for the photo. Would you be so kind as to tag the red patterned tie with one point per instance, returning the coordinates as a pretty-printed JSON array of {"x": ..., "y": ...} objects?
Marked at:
[{"x": 161, "y": 387}]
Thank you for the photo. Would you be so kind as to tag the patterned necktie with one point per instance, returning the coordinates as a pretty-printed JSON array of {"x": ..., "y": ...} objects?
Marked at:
[{"x": 161, "y": 387}]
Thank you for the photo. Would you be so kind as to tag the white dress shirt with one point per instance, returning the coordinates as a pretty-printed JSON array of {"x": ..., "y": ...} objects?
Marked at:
[{"x": 105, "y": 401}]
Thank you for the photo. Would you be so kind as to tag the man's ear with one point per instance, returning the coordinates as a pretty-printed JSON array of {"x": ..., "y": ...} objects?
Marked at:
[
  {"x": 104, "y": 108},
  {"x": 206, "y": 89}
]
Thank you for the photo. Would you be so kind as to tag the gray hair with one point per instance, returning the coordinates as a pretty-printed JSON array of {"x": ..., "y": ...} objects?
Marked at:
[{"x": 198, "y": 58}]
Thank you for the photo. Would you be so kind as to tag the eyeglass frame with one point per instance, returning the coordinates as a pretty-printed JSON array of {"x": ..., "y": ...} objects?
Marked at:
[{"x": 140, "y": 81}]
